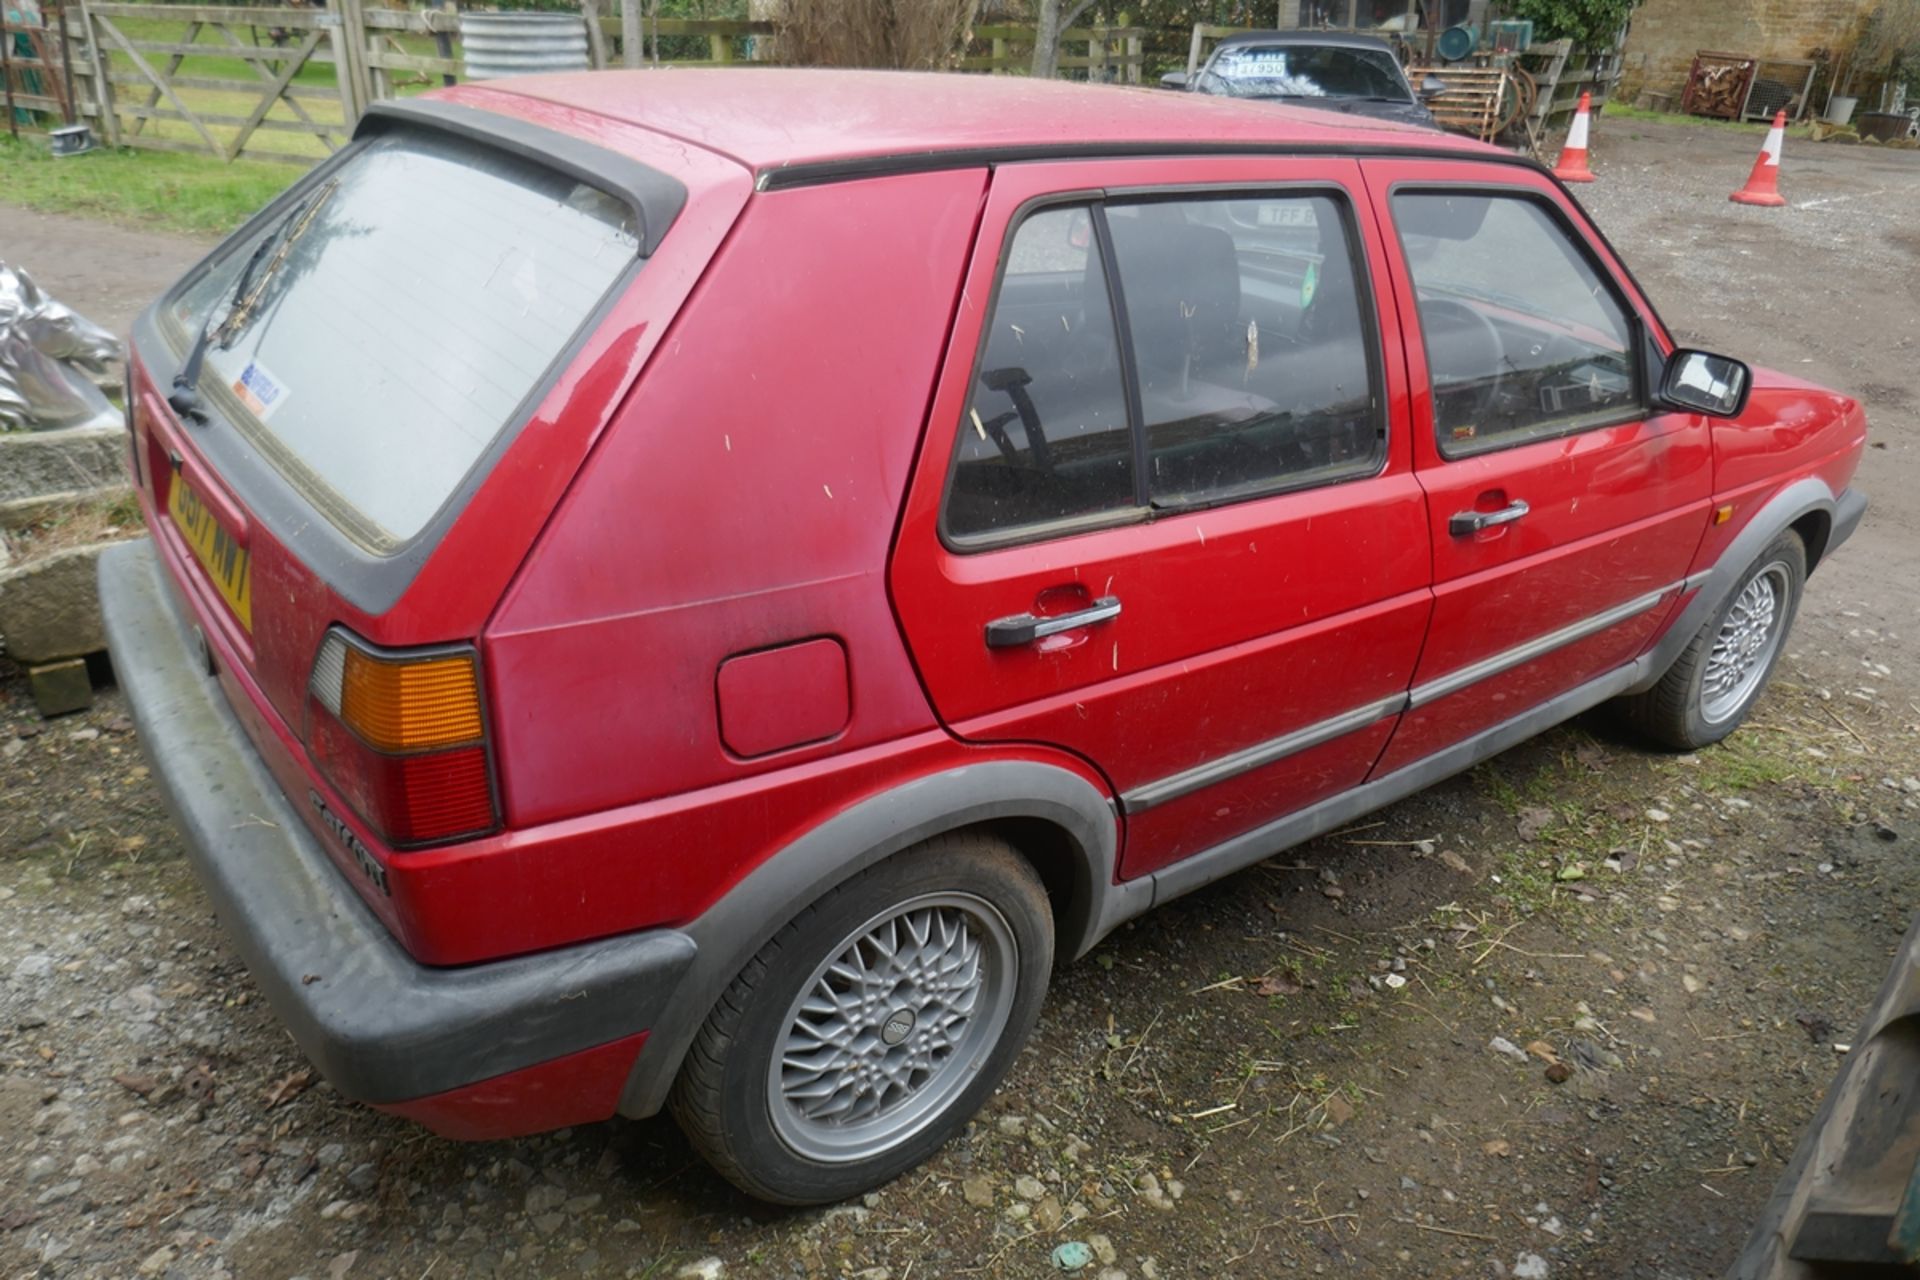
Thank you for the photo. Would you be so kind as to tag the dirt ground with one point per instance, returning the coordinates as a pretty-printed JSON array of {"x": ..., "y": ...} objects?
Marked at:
[{"x": 1333, "y": 1064}]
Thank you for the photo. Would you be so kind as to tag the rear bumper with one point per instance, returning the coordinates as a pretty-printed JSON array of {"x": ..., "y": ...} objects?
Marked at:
[{"x": 380, "y": 1027}]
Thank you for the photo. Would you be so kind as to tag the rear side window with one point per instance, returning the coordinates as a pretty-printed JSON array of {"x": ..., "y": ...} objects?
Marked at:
[
  {"x": 1251, "y": 351},
  {"x": 1247, "y": 364},
  {"x": 1525, "y": 338},
  {"x": 402, "y": 320}
]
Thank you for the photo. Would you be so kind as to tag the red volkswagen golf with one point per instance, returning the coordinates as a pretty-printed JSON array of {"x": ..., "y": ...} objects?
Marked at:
[{"x": 697, "y": 589}]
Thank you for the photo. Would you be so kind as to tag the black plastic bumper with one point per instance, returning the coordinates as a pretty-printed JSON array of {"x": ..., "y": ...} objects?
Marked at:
[
  {"x": 380, "y": 1027},
  {"x": 1848, "y": 509}
]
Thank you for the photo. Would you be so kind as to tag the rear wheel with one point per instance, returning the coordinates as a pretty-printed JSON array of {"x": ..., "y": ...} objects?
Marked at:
[
  {"x": 1714, "y": 684},
  {"x": 873, "y": 1026}
]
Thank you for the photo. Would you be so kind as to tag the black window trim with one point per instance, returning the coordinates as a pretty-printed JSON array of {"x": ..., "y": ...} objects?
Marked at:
[
  {"x": 1638, "y": 326},
  {"x": 1145, "y": 511}
]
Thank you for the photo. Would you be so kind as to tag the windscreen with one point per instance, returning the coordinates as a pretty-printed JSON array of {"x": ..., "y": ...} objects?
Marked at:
[
  {"x": 378, "y": 334},
  {"x": 1296, "y": 71}
]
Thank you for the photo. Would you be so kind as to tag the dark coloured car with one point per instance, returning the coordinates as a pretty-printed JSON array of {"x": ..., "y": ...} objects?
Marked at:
[{"x": 1358, "y": 75}]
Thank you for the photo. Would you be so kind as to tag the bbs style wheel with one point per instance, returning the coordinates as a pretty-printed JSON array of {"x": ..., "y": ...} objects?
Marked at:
[
  {"x": 871, "y": 1027},
  {"x": 1712, "y": 686}
]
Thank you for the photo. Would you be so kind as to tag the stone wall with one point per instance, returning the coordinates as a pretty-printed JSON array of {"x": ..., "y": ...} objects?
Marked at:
[{"x": 1667, "y": 33}]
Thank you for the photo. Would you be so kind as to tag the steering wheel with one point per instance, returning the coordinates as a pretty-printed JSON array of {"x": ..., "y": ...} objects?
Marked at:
[{"x": 1466, "y": 359}]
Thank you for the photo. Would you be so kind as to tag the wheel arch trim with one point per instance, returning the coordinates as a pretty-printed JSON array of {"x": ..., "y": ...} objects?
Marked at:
[
  {"x": 736, "y": 927},
  {"x": 1805, "y": 496}
]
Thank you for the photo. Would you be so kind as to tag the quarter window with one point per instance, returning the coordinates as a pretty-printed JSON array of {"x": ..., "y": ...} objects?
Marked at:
[
  {"x": 1250, "y": 364},
  {"x": 1524, "y": 338},
  {"x": 1045, "y": 438}
]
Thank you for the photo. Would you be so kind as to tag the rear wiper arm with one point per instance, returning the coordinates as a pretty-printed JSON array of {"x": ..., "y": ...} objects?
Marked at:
[{"x": 184, "y": 399}]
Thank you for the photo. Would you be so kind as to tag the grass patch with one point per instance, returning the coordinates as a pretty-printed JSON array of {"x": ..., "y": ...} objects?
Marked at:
[
  {"x": 196, "y": 194},
  {"x": 1620, "y": 111}
]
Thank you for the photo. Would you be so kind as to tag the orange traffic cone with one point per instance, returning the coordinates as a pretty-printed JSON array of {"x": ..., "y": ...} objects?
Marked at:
[
  {"x": 1763, "y": 184},
  {"x": 1573, "y": 156}
]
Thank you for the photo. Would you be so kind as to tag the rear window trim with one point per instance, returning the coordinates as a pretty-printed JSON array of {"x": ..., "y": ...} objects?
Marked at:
[{"x": 305, "y": 519}]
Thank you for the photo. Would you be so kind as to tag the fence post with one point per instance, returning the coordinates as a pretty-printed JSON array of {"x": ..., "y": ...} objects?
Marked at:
[
  {"x": 719, "y": 47},
  {"x": 1000, "y": 60},
  {"x": 341, "y": 34},
  {"x": 1097, "y": 56},
  {"x": 1193, "y": 50},
  {"x": 102, "y": 87},
  {"x": 1136, "y": 59}
]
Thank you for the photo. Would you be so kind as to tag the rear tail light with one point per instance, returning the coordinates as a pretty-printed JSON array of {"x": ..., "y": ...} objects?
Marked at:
[{"x": 402, "y": 736}]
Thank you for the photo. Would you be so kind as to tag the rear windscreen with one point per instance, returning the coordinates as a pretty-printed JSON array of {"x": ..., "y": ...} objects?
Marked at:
[{"x": 377, "y": 334}]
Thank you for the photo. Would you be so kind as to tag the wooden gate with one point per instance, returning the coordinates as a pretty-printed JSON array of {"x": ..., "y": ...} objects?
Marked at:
[{"x": 255, "y": 82}]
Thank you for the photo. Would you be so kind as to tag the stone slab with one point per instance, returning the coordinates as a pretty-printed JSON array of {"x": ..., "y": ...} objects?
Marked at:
[
  {"x": 50, "y": 607},
  {"x": 34, "y": 464}
]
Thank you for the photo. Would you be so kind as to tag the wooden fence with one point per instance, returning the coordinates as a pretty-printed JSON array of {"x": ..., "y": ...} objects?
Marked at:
[{"x": 290, "y": 83}]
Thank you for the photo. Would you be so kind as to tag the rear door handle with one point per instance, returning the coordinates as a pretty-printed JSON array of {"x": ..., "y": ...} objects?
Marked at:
[
  {"x": 1464, "y": 523},
  {"x": 1025, "y": 628}
]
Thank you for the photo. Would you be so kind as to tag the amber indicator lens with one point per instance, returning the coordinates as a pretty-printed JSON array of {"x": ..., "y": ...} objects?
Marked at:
[{"x": 399, "y": 705}]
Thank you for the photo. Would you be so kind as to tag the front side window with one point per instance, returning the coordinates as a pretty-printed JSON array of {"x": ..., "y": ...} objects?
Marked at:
[
  {"x": 1247, "y": 364},
  {"x": 1524, "y": 337}
]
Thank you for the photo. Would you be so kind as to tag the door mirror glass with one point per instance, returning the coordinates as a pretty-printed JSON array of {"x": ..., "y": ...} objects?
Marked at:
[
  {"x": 1431, "y": 88},
  {"x": 1174, "y": 80},
  {"x": 1701, "y": 382}
]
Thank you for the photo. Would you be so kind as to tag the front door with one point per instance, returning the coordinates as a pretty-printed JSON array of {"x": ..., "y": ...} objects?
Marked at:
[
  {"x": 1564, "y": 513},
  {"x": 1165, "y": 516}
]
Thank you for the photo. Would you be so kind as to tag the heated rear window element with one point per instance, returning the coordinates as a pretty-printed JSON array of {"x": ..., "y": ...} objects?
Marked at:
[{"x": 398, "y": 316}]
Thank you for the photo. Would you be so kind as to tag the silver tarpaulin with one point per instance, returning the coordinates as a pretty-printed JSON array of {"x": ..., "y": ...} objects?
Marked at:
[{"x": 50, "y": 359}]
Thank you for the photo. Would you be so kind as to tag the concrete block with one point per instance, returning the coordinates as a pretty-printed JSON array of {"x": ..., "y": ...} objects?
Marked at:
[
  {"x": 50, "y": 608},
  {"x": 60, "y": 687},
  {"x": 36, "y": 463}
]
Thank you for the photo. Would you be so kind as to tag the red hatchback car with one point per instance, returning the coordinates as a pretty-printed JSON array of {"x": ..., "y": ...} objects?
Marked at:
[{"x": 694, "y": 589}]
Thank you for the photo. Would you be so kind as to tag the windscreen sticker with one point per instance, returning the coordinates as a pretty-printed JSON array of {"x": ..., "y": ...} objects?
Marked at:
[
  {"x": 1309, "y": 285},
  {"x": 259, "y": 390}
]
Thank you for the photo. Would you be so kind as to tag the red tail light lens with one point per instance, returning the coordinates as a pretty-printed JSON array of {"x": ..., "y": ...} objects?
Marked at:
[{"x": 403, "y": 738}]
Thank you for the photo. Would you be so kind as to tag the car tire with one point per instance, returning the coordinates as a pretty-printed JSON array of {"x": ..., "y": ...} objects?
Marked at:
[
  {"x": 1713, "y": 685},
  {"x": 872, "y": 1027}
]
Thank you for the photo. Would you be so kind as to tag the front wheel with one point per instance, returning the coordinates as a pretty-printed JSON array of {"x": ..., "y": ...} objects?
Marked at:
[
  {"x": 1712, "y": 686},
  {"x": 873, "y": 1026}
]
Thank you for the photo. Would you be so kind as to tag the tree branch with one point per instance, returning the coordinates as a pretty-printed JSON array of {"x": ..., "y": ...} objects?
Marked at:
[{"x": 1074, "y": 13}]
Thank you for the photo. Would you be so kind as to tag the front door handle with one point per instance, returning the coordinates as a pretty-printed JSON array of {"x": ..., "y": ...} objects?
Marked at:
[
  {"x": 1025, "y": 628},
  {"x": 1464, "y": 523}
]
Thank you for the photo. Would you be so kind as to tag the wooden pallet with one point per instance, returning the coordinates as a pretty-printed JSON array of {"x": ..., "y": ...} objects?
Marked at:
[{"x": 1471, "y": 104}]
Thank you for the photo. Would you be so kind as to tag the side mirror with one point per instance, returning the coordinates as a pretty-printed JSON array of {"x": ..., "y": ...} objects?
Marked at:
[
  {"x": 1174, "y": 80},
  {"x": 1432, "y": 87},
  {"x": 1701, "y": 382}
]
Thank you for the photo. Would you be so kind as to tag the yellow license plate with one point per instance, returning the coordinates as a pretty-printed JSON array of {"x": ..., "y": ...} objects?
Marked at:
[{"x": 224, "y": 559}]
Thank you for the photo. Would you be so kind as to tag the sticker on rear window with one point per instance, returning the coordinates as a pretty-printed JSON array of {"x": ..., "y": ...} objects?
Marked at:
[{"x": 259, "y": 390}]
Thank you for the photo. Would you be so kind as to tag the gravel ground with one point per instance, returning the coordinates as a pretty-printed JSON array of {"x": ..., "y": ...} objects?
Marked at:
[{"x": 1562, "y": 1016}]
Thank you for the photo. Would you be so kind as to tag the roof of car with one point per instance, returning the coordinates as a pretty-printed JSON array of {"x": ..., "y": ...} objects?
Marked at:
[
  {"x": 1318, "y": 39},
  {"x": 772, "y": 118}
]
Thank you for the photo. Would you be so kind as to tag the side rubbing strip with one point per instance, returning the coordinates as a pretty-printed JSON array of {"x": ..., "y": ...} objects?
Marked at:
[
  {"x": 1537, "y": 647},
  {"x": 1260, "y": 753}
]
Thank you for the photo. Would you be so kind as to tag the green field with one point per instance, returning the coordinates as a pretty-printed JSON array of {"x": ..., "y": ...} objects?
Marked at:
[{"x": 193, "y": 193}]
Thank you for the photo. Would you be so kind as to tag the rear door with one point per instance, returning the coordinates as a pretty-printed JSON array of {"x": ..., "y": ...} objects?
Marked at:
[
  {"x": 1564, "y": 512},
  {"x": 1166, "y": 516}
]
